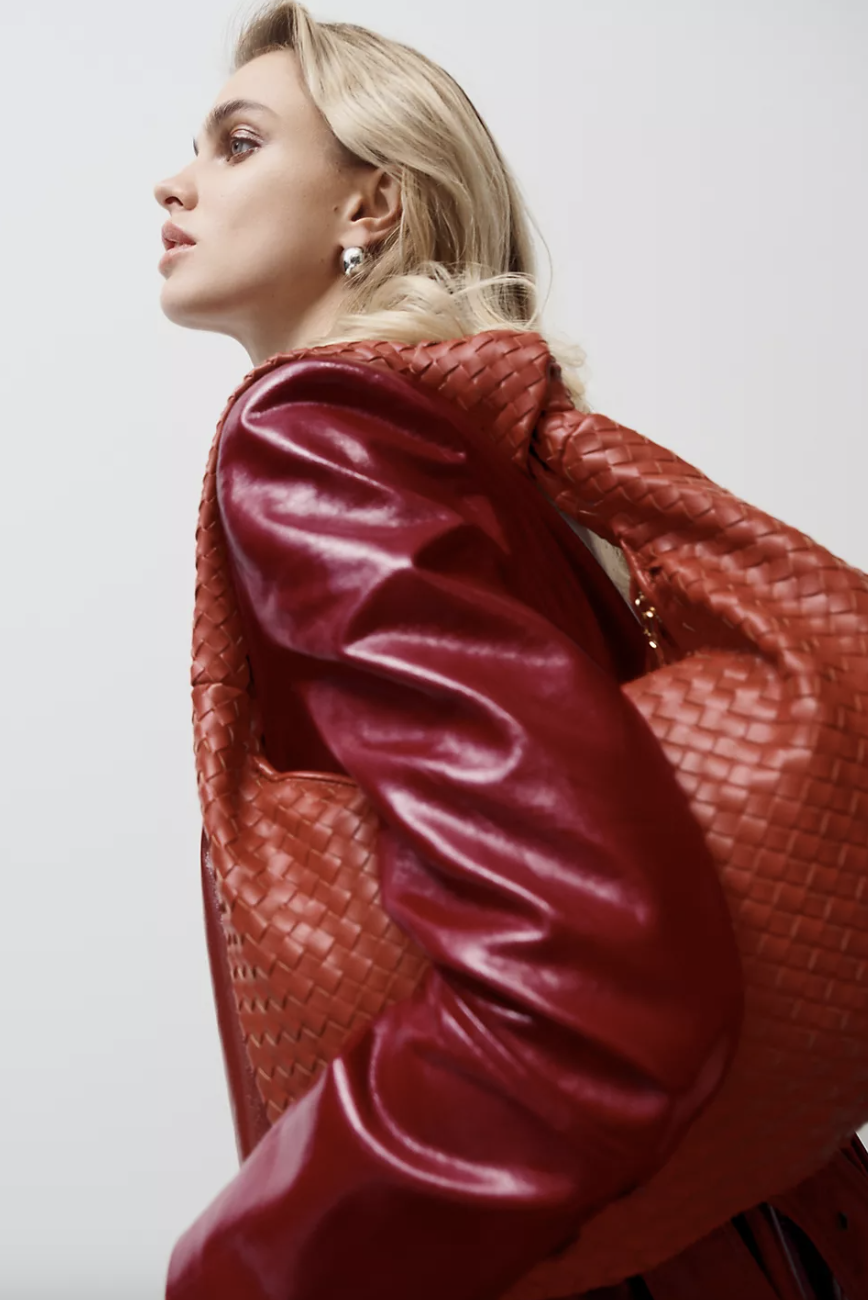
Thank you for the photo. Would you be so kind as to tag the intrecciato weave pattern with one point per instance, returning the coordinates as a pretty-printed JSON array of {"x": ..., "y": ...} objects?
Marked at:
[{"x": 760, "y": 701}]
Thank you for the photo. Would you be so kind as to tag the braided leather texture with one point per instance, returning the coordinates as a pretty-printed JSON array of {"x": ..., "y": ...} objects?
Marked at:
[{"x": 757, "y": 690}]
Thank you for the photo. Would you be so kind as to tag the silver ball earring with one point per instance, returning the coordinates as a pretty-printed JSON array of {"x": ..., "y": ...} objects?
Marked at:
[{"x": 352, "y": 259}]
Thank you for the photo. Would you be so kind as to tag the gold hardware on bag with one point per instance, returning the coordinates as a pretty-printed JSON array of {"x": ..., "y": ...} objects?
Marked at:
[
  {"x": 647, "y": 612},
  {"x": 649, "y": 621}
]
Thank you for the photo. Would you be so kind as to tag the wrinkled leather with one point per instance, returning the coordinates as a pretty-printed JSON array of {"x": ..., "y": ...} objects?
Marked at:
[{"x": 418, "y": 617}]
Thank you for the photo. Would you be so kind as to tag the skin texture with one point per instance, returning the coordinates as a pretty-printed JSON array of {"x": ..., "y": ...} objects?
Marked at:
[{"x": 270, "y": 216}]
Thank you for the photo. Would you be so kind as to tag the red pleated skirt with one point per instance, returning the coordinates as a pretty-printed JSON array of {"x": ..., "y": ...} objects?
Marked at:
[{"x": 810, "y": 1243}]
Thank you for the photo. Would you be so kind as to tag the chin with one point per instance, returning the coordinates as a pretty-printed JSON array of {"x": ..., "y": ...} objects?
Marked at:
[
  {"x": 184, "y": 310},
  {"x": 175, "y": 311}
]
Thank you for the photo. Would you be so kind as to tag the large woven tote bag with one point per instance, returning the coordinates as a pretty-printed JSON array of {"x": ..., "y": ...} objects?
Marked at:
[{"x": 759, "y": 698}]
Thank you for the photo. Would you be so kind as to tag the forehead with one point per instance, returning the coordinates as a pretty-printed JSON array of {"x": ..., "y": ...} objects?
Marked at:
[
  {"x": 271, "y": 87},
  {"x": 274, "y": 84},
  {"x": 273, "y": 79}
]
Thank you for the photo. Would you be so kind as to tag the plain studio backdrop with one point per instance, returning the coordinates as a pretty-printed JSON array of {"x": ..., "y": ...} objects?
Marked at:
[{"x": 698, "y": 171}]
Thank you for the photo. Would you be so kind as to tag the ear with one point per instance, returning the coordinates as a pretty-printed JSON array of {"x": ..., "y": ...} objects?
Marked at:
[{"x": 375, "y": 207}]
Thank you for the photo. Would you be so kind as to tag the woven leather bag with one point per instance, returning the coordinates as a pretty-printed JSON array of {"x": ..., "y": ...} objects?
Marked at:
[{"x": 757, "y": 690}]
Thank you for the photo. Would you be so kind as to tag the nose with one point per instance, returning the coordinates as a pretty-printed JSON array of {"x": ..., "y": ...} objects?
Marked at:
[
  {"x": 174, "y": 187},
  {"x": 163, "y": 192}
]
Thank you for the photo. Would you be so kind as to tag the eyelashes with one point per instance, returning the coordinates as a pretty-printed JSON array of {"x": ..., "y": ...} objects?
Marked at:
[{"x": 228, "y": 139}]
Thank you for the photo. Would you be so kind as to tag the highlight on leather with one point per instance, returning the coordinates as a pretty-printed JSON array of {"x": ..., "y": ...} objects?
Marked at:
[{"x": 760, "y": 702}]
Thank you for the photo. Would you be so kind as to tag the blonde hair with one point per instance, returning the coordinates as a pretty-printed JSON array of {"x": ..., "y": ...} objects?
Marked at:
[{"x": 461, "y": 259}]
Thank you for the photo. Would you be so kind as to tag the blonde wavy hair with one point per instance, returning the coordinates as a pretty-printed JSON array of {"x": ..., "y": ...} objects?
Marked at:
[{"x": 461, "y": 258}]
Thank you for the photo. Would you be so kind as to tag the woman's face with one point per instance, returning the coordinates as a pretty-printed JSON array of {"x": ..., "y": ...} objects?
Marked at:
[{"x": 270, "y": 210}]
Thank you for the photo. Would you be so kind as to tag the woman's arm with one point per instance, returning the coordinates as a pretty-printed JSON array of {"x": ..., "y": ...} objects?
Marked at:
[{"x": 585, "y": 995}]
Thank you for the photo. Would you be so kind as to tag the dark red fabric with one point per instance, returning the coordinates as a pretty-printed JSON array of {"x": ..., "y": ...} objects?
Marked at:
[
  {"x": 418, "y": 617},
  {"x": 820, "y": 1253}
]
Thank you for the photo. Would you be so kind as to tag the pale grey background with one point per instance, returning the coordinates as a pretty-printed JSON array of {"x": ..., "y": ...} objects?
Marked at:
[{"x": 699, "y": 173}]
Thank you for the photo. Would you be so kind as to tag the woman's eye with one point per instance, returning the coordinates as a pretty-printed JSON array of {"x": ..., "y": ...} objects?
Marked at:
[{"x": 229, "y": 140}]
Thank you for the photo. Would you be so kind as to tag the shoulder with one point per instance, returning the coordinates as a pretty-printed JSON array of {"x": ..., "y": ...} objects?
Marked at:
[
  {"x": 327, "y": 437},
  {"x": 315, "y": 397}
]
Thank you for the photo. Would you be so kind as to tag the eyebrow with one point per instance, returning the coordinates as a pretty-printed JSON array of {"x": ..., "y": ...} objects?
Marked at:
[{"x": 228, "y": 108}]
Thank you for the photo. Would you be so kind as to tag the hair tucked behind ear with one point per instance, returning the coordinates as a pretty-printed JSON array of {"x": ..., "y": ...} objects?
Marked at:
[{"x": 461, "y": 258}]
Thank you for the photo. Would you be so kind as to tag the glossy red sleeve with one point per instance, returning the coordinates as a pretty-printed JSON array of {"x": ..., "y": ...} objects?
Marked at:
[{"x": 585, "y": 995}]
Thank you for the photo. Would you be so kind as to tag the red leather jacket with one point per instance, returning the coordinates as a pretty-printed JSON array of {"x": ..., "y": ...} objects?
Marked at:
[{"x": 420, "y": 617}]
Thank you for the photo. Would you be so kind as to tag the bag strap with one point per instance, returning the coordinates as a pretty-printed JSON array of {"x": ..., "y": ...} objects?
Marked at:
[{"x": 720, "y": 573}]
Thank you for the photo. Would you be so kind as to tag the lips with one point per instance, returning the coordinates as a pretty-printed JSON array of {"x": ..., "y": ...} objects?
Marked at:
[
  {"x": 173, "y": 252},
  {"x": 173, "y": 236}
]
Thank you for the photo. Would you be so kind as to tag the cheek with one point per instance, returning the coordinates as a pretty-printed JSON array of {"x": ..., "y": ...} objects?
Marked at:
[
  {"x": 298, "y": 240},
  {"x": 280, "y": 221},
  {"x": 301, "y": 200}
]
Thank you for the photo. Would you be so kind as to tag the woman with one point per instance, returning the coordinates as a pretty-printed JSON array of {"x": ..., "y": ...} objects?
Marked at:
[{"x": 419, "y": 618}]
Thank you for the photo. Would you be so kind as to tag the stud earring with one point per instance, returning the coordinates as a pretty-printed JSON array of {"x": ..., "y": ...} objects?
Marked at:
[{"x": 352, "y": 259}]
